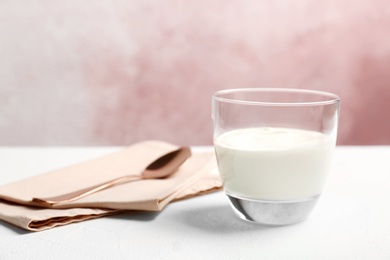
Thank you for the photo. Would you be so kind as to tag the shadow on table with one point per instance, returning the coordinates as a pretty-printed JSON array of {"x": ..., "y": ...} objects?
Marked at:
[
  {"x": 218, "y": 219},
  {"x": 143, "y": 216}
]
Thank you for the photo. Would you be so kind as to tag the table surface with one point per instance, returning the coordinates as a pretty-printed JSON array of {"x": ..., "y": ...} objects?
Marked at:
[{"x": 351, "y": 220}]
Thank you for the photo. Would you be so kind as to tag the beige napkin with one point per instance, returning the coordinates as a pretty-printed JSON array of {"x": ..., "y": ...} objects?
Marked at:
[{"x": 193, "y": 178}]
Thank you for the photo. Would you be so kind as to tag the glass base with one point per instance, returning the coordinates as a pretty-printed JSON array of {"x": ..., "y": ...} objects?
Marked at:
[{"x": 275, "y": 213}]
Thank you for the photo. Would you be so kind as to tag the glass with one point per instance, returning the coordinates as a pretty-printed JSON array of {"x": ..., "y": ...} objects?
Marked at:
[{"x": 274, "y": 148}]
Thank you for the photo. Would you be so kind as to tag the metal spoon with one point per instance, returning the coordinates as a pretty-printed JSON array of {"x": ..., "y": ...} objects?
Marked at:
[{"x": 160, "y": 168}]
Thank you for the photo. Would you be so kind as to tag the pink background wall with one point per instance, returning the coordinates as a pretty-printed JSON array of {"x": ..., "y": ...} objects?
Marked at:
[{"x": 114, "y": 72}]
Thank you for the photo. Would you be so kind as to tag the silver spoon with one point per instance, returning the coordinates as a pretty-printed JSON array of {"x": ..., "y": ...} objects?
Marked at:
[{"x": 160, "y": 168}]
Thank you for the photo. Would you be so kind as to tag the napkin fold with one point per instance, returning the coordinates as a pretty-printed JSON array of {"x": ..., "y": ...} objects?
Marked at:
[{"x": 195, "y": 177}]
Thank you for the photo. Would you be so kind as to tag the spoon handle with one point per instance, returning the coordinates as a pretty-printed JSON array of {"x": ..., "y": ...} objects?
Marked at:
[{"x": 75, "y": 195}]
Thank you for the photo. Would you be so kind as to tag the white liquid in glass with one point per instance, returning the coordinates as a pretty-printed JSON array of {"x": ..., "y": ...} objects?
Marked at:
[{"x": 273, "y": 163}]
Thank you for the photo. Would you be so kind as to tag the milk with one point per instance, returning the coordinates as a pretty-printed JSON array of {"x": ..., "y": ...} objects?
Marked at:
[{"x": 273, "y": 163}]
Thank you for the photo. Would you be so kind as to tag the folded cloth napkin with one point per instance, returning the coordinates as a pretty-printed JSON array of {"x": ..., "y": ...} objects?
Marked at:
[{"x": 193, "y": 178}]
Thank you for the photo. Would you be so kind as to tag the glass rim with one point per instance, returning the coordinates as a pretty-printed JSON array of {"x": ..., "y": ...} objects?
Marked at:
[{"x": 329, "y": 98}]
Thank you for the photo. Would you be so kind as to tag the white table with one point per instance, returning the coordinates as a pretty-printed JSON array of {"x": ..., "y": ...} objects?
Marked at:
[{"x": 351, "y": 220}]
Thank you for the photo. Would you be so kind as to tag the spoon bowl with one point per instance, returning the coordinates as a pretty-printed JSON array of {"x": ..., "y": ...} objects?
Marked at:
[{"x": 163, "y": 167}]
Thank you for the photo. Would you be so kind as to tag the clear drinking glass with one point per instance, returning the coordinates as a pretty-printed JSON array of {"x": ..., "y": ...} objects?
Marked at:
[{"x": 274, "y": 148}]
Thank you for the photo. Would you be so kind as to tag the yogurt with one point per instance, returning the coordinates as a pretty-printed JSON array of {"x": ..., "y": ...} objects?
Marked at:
[{"x": 270, "y": 163}]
